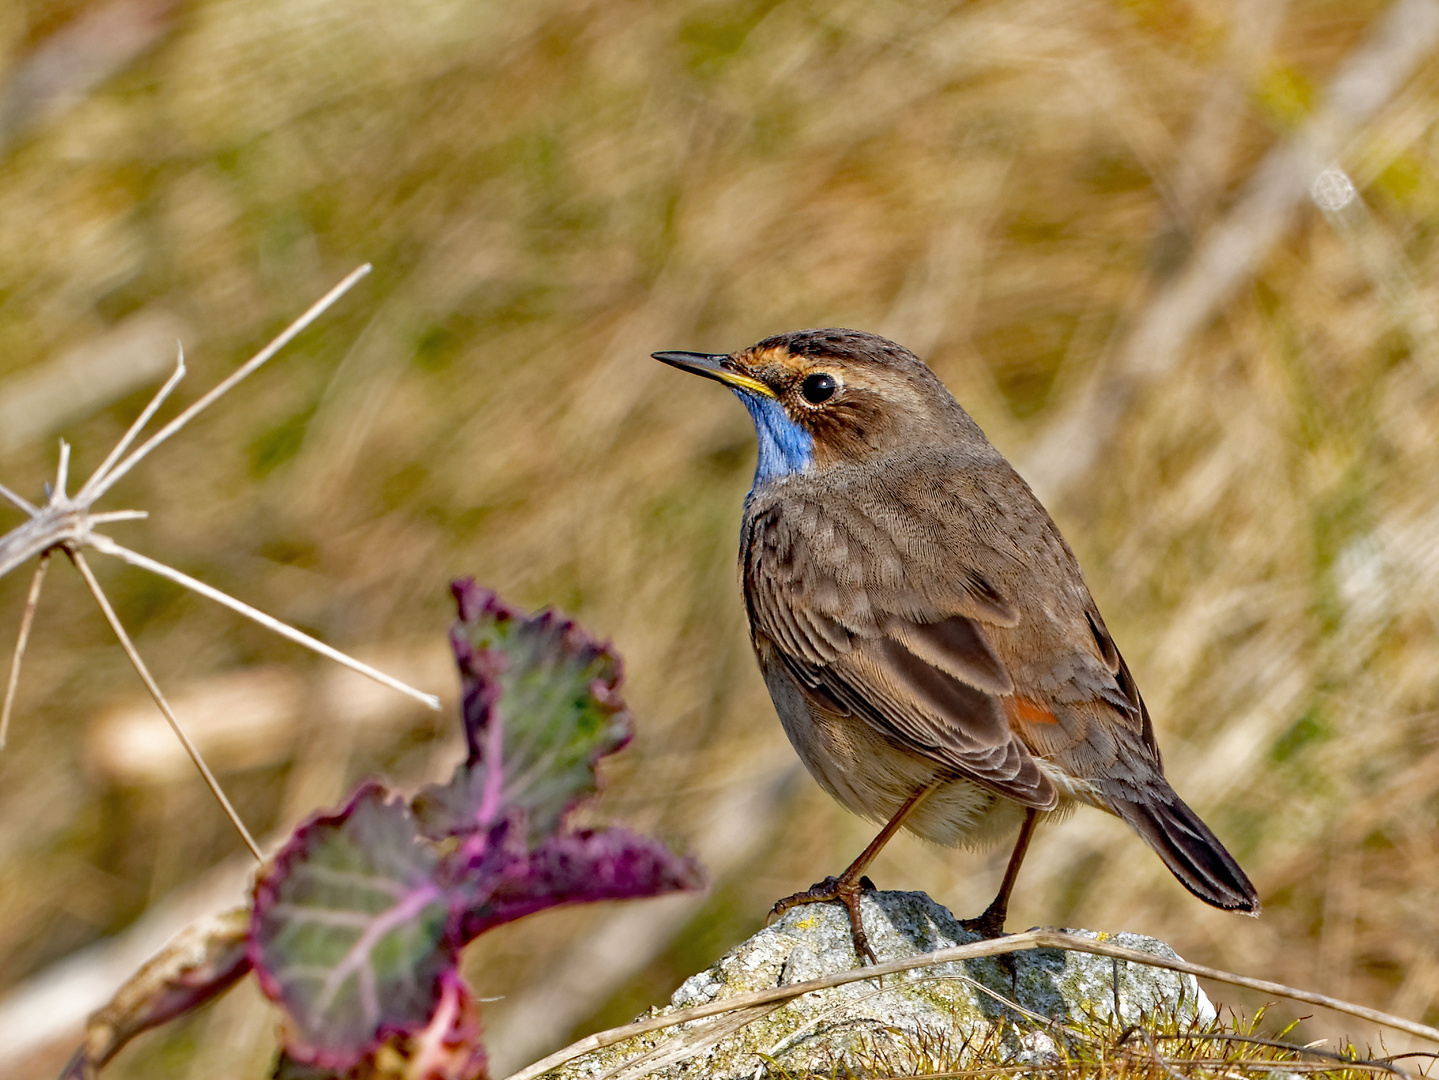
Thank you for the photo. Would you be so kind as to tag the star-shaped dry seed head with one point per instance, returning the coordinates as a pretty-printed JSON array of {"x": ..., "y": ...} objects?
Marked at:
[{"x": 67, "y": 523}]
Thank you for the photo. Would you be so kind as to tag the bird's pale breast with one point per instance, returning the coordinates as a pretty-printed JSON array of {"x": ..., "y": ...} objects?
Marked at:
[{"x": 873, "y": 775}]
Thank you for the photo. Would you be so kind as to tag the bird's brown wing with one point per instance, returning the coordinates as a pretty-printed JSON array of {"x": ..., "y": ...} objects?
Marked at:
[
  {"x": 927, "y": 678},
  {"x": 1120, "y": 691}
]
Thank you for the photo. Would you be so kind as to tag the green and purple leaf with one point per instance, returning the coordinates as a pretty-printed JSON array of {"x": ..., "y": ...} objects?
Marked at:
[
  {"x": 577, "y": 867},
  {"x": 541, "y": 706},
  {"x": 359, "y": 919},
  {"x": 352, "y": 931}
]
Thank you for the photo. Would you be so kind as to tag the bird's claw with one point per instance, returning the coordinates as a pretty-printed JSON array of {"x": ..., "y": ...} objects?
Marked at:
[
  {"x": 847, "y": 892},
  {"x": 988, "y": 925}
]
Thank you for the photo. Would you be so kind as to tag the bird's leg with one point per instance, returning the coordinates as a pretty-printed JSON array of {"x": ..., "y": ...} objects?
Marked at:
[
  {"x": 991, "y": 923},
  {"x": 847, "y": 887}
]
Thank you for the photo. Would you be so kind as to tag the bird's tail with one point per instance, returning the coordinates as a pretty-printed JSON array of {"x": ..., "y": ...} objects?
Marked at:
[{"x": 1193, "y": 854}]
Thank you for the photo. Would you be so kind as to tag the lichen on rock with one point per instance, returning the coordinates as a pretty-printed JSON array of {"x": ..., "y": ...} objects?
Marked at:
[{"x": 1009, "y": 1003}]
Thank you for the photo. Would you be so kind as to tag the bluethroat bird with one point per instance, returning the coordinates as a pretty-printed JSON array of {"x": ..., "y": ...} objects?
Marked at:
[{"x": 926, "y": 634}]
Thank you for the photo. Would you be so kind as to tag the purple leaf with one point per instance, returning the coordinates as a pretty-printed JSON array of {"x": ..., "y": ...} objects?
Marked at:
[
  {"x": 541, "y": 706},
  {"x": 574, "y": 867},
  {"x": 352, "y": 932}
]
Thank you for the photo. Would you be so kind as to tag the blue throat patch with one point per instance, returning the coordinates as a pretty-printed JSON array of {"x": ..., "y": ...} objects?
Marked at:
[{"x": 784, "y": 446}]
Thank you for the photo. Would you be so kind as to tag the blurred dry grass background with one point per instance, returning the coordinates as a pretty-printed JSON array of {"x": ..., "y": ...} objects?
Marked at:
[{"x": 551, "y": 190}]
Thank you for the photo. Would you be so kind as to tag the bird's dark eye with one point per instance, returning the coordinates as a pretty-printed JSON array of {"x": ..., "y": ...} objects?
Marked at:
[{"x": 819, "y": 387}]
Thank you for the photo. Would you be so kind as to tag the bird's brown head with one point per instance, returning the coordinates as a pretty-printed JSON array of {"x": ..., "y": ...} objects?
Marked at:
[{"x": 822, "y": 397}]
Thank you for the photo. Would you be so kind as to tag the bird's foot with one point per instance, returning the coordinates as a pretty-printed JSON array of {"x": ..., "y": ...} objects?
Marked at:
[
  {"x": 847, "y": 891},
  {"x": 988, "y": 925}
]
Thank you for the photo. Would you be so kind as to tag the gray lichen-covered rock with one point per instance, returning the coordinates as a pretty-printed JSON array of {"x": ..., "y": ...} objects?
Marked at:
[{"x": 977, "y": 1000}]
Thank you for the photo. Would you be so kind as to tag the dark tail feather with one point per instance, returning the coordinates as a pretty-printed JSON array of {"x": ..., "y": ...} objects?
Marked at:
[{"x": 1193, "y": 854}]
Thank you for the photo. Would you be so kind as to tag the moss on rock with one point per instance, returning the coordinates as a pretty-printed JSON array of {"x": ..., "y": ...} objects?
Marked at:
[{"x": 1002, "y": 1003}]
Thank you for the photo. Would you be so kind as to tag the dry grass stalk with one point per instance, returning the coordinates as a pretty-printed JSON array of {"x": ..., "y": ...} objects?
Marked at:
[
  {"x": 153, "y": 687},
  {"x": 67, "y": 524},
  {"x": 27, "y": 620}
]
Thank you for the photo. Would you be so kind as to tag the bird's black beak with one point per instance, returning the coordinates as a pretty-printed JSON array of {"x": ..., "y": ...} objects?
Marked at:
[{"x": 715, "y": 366}]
